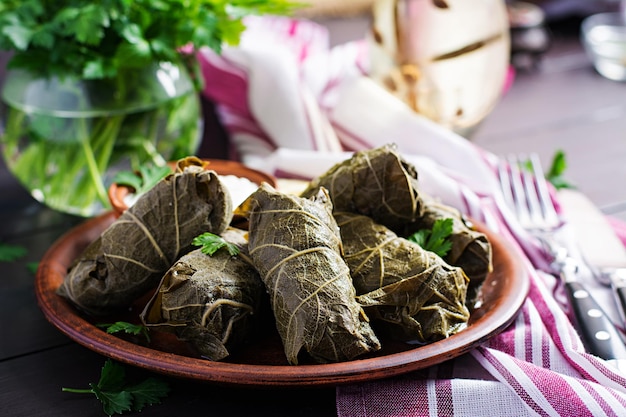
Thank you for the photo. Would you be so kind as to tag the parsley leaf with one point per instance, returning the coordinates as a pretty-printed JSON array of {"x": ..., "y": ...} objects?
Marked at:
[
  {"x": 435, "y": 240},
  {"x": 211, "y": 243},
  {"x": 122, "y": 326},
  {"x": 117, "y": 396},
  {"x": 147, "y": 392},
  {"x": 554, "y": 175},
  {"x": 147, "y": 177},
  {"x": 10, "y": 253},
  {"x": 32, "y": 267},
  {"x": 116, "y": 402},
  {"x": 556, "y": 171}
]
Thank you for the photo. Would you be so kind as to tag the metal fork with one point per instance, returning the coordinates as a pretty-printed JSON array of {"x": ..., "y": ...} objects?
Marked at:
[
  {"x": 528, "y": 196},
  {"x": 526, "y": 192}
]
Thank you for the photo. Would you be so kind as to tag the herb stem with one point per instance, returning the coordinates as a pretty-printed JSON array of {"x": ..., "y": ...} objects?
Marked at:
[
  {"x": 77, "y": 391},
  {"x": 92, "y": 165},
  {"x": 156, "y": 158}
]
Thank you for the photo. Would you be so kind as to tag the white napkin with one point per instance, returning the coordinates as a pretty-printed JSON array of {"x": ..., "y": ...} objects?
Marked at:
[{"x": 296, "y": 99}]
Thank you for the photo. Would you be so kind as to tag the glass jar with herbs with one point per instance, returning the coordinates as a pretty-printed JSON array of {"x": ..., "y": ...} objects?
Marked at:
[{"x": 95, "y": 87}]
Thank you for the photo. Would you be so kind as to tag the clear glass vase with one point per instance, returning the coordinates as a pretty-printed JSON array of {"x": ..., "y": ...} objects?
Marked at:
[
  {"x": 65, "y": 138},
  {"x": 446, "y": 59}
]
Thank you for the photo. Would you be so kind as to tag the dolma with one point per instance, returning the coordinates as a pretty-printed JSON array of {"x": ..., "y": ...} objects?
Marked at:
[
  {"x": 212, "y": 301},
  {"x": 131, "y": 256},
  {"x": 471, "y": 249},
  {"x": 414, "y": 292},
  {"x": 296, "y": 247},
  {"x": 377, "y": 183}
]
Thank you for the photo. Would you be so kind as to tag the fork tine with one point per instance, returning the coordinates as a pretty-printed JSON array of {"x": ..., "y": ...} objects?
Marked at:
[
  {"x": 531, "y": 183},
  {"x": 525, "y": 190},
  {"x": 545, "y": 201},
  {"x": 520, "y": 202},
  {"x": 505, "y": 183}
]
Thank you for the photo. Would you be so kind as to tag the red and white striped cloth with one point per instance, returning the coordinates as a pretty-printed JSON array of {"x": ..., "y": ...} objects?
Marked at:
[{"x": 294, "y": 107}]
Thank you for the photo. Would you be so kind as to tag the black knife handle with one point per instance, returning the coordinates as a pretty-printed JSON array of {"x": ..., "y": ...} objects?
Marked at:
[
  {"x": 620, "y": 298},
  {"x": 598, "y": 333},
  {"x": 617, "y": 277}
]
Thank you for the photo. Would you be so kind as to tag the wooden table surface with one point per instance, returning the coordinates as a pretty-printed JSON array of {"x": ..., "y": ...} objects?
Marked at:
[{"x": 565, "y": 105}]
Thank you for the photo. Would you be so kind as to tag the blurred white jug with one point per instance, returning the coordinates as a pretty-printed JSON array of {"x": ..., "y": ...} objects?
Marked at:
[{"x": 447, "y": 59}]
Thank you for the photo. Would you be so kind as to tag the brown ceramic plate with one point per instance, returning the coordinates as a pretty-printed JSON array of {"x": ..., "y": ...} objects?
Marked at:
[{"x": 263, "y": 363}]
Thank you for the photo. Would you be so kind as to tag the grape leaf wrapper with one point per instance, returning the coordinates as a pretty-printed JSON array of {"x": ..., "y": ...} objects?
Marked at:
[
  {"x": 471, "y": 249},
  {"x": 296, "y": 247},
  {"x": 412, "y": 293},
  {"x": 131, "y": 256},
  {"x": 377, "y": 183},
  {"x": 213, "y": 302}
]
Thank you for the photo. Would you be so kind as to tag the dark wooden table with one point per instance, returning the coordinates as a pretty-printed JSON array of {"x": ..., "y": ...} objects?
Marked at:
[{"x": 559, "y": 106}]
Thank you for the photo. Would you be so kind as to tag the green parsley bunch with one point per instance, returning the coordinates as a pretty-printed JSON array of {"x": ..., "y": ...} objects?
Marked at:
[{"x": 95, "y": 40}]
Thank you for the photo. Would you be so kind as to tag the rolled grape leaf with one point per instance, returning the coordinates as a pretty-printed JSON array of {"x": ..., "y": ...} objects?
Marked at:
[
  {"x": 131, "y": 256},
  {"x": 417, "y": 295},
  {"x": 377, "y": 183},
  {"x": 212, "y": 301},
  {"x": 296, "y": 247},
  {"x": 471, "y": 249}
]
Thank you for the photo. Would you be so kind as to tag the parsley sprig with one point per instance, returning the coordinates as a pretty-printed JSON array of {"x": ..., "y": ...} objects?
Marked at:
[
  {"x": 98, "y": 39},
  {"x": 435, "y": 240},
  {"x": 147, "y": 177},
  {"x": 129, "y": 328},
  {"x": 118, "y": 396},
  {"x": 556, "y": 171},
  {"x": 211, "y": 243},
  {"x": 10, "y": 253}
]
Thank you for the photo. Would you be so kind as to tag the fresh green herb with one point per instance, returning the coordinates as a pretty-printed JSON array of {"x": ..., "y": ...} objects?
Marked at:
[
  {"x": 147, "y": 177},
  {"x": 554, "y": 175},
  {"x": 122, "y": 326},
  {"x": 556, "y": 171},
  {"x": 211, "y": 243},
  {"x": 435, "y": 240},
  {"x": 32, "y": 267},
  {"x": 118, "y": 396},
  {"x": 98, "y": 39},
  {"x": 10, "y": 253}
]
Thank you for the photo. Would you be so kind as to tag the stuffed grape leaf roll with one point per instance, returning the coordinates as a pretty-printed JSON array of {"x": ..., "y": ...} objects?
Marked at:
[
  {"x": 212, "y": 301},
  {"x": 377, "y": 183},
  {"x": 417, "y": 295},
  {"x": 471, "y": 249},
  {"x": 131, "y": 256},
  {"x": 296, "y": 247}
]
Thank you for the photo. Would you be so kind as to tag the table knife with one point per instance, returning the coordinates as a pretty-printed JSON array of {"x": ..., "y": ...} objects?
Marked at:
[
  {"x": 600, "y": 247},
  {"x": 597, "y": 331}
]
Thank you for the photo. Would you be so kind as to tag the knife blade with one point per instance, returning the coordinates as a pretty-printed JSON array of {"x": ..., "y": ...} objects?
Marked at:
[{"x": 600, "y": 247}]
